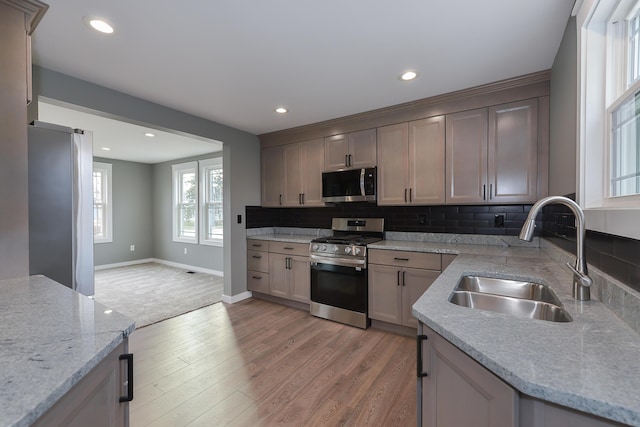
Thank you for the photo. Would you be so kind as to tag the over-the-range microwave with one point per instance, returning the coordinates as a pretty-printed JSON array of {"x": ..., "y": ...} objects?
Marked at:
[{"x": 353, "y": 185}]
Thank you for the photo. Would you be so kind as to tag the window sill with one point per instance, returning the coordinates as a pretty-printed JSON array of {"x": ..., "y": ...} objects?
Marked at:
[
  {"x": 621, "y": 221},
  {"x": 217, "y": 243}
]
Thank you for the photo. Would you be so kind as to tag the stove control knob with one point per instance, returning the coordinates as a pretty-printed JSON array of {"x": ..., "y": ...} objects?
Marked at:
[
  {"x": 314, "y": 247},
  {"x": 323, "y": 248},
  {"x": 347, "y": 249},
  {"x": 356, "y": 250},
  {"x": 335, "y": 248}
]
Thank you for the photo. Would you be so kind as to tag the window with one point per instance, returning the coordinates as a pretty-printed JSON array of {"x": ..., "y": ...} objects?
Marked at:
[
  {"x": 624, "y": 108},
  {"x": 197, "y": 202},
  {"x": 185, "y": 198},
  {"x": 211, "y": 196},
  {"x": 609, "y": 114},
  {"x": 102, "y": 224}
]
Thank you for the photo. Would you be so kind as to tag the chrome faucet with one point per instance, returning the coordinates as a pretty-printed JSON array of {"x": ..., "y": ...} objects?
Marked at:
[{"x": 581, "y": 280}]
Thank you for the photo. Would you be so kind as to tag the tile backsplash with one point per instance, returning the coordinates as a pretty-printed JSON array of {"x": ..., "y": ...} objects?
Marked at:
[{"x": 491, "y": 220}]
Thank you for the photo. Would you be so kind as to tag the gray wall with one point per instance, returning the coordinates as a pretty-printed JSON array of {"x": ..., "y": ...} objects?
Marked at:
[
  {"x": 132, "y": 209},
  {"x": 204, "y": 256},
  {"x": 241, "y": 152},
  {"x": 563, "y": 115}
]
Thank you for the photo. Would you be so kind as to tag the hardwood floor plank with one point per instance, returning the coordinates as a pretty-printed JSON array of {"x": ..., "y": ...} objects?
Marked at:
[{"x": 256, "y": 363}]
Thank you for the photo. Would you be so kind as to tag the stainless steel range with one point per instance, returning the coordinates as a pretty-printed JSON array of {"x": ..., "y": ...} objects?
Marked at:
[{"x": 339, "y": 284}]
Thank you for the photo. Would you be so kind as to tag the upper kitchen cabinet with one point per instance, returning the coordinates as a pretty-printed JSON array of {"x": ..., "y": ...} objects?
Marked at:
[
  {"x": 292, "y": 174},
  {"x": 411, "y": 162},
  {"x": 350, "y": 151},
  {"x": 492, "y": 154}
]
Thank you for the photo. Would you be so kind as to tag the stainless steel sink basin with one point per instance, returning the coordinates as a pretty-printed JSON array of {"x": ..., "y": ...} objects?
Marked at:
[
  {"x": 516, "y": 297},
  {"x": 508, "y": 288}
]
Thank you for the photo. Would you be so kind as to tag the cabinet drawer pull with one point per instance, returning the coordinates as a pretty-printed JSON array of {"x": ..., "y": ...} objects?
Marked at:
[
  {"x": 255, "y": 245},
  {"x": 288, "y": 248},
  {"x": 256, "y": 277},
  {"x": 421, "y": 373},
  {"x": 256, "y": 256},
  {"x": 129, "y": 358},
  {"x": 401, "y": 259}
]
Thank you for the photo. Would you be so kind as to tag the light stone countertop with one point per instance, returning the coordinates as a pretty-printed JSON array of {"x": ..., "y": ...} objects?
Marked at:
[
  {"x": 591, "y": 364},
  {"x": 51, "y": 338},
  {"x": 291, "y": 238}
]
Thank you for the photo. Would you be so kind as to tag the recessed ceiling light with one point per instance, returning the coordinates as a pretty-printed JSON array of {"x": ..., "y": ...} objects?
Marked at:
[
  {"x": 106, "y": 148},
  {"x": 280, "y": 110},
  {"x": 409, "y": 75},
  {"x": 149, "y": 134},
  {"x": 98, "y": 24}
]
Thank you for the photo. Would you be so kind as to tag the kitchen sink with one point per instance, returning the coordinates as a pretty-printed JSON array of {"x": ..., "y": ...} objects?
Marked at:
[
  {"x": 508, "y": 288},
  {"x": 516, "y": 297}
]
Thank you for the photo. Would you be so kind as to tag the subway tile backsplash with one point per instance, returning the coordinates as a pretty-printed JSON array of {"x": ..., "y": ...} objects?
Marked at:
[{"x": 492, "y": 220}]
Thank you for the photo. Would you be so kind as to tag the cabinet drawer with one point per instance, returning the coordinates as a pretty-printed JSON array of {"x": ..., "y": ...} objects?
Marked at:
[
  {"x": 258, "y": 261},
  {"x": 405, "y": 259},
  {"x": 257, "y": 245},
  {"x": 301, "y": 249},
  {"x": 258, "y": 281}
]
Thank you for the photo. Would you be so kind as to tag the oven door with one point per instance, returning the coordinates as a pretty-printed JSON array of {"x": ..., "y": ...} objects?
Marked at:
[{"x": 339, "y": 286}]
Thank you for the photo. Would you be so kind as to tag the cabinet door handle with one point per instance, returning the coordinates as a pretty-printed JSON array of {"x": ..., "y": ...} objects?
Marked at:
[
  {"x": 403, "y": 283},
  {"x": 421, "y": 373},
  {"x": 484, "y": 191},
  {"x": 346, "y": 160},
  {"x": 129, "y": 358},
  {"x": 401, "y": 259},
  {"x": 350, "y": 161},
  {"x": 302, "y": 198},
  {"x": 490, "y": 191},
  {"x": 405, "y": 195},
  {"x": 398, "y": 279},
  {"x": 280, "y": 200},
  {"x": 411, "y": 194}
]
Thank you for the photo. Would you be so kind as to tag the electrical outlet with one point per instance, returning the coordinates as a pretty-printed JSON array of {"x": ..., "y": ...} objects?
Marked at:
[
  {"x": 185, "y": 251},
  {"x": 498, "y": 221},
  {"x": 422, "y": 219},
  {"x": 132, "y": 248}
]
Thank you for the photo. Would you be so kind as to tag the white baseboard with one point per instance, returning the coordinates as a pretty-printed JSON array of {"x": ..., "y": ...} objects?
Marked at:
[
  {"x": 160, "y": 261},
  {"x": 236, "y": 298},
  {"x": 123, "y": 264},
  {"x": 189, "y": 267}
]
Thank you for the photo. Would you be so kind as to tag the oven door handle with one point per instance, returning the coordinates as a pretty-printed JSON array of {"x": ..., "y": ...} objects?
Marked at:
[{"x": 342, "y": 262}]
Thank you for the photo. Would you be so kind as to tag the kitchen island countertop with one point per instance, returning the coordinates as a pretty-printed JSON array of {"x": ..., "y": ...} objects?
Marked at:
[{"x": 51, "y": 338}]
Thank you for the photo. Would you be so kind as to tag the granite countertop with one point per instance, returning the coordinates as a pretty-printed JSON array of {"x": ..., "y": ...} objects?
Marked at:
[
  {"x": 590, "y": 364},
  {"x": 51, "y": 338},
  {"x": 291, "y": 238}
]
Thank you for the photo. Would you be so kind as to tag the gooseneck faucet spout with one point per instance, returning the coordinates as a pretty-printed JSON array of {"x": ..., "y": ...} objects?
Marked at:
[{"x": 581, "y": 280}]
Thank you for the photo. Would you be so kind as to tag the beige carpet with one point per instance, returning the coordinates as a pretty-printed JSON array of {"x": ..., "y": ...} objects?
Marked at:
[{"x": 149, "y": 293}]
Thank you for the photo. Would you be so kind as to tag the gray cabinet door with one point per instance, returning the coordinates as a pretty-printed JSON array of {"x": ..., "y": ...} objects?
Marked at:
[
  {"x": 272, "y": 176},
  {"x": 362, "y": 148},
  {"x": 415, "y": 281},
  {"x": 278, "y": 275},
  {"x": 336, "y": 152},
  {"x": 385, "y": 298},
  {"x": 458, "y": 391},
  {"x": 426, "y": 161},
  {"x": 293, "y": 172},
  {"x": 299, "y": 279},
  {"x": 313, "y": 165},
  {"x": 513, "y": 152},
  {"x": 393, "y": 185},
  {"x": 466, "y": 157}
]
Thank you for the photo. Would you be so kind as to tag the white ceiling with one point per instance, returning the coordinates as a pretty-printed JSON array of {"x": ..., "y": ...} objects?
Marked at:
[
  {"x": 127, "y": 141},
  {"x": 234, "y": 61}
]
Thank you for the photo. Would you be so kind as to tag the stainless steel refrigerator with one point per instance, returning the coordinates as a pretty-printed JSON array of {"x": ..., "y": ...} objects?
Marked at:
[{"x": 61, "y": 205}]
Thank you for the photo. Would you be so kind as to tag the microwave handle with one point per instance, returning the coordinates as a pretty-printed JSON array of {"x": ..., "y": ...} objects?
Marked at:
[{"x": 362, "y": 191}]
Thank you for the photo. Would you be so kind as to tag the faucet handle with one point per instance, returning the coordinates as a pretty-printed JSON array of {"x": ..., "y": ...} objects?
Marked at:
[{"x": 583, "y": 278}]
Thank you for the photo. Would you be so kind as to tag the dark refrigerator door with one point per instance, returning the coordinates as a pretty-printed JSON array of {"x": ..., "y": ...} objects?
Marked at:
[{"x": 51, "y": 204}]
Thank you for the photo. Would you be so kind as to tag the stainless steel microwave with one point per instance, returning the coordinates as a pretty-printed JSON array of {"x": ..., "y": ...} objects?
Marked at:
[{"x": 353, "y": 185}]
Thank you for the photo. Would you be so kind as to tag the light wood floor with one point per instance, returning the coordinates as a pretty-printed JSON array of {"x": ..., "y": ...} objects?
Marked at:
[{"x": 257, "y": 363}]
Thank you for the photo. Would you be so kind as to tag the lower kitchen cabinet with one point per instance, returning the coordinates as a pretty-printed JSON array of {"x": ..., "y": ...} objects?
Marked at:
[
  {"x": 455, "y": 390},
  {"x": 95, "y": 400},
  {"x": 458, "y": 391},
  {"x": 258, "y": 266},
  {"x": 396, "y": 280},
  {"x": 289, "y": 271}
]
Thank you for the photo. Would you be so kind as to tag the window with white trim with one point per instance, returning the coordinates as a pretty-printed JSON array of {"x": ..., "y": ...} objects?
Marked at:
[
  {"x": 211, "y": 197},
  {"x": 198, "y": 202},
  {"x": 185, "y": 202},
  {"x": 102, "y": 206},
  {"x": 609, "y": 114}
]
